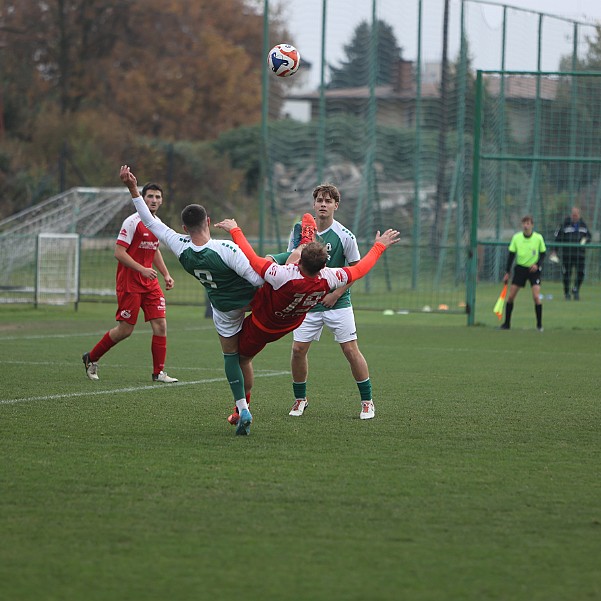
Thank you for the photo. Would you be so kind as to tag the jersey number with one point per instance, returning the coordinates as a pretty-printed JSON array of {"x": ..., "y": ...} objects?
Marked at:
[
  {"x": 308, "y": 302},
  {"x": 205, "y": 278}
]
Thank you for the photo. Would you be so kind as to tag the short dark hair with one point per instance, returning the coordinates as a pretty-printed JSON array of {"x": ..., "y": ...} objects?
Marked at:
[
  {"x": 194, "y": 217},
  {"x": 151, "y": 186},
  {"x": 527, "y": 218},
  {"x": 314, "y": 257},
  {"x": 331, "y": 189}
]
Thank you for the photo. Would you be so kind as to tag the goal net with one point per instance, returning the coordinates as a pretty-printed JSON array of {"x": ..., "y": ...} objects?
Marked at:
[{"x": 57, "y": 269}]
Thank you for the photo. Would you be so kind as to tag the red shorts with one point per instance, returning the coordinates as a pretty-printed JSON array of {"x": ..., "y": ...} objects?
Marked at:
[
  {"x": 129, "y": 304},
  {"x": 253, "y": 339}
]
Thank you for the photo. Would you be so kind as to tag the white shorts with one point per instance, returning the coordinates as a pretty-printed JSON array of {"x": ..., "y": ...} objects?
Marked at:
[
  {"x": 340, "y": 321},
  {"x": 228, "y": 323}
]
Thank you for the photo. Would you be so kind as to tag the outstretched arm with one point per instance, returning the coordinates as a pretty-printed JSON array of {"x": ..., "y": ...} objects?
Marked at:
[
  {"x": 381, "y": 243},
  {"x": 129, "y": 179},
  {"x": 176, "y": 242},
  {"x": 259, "y": 264}
]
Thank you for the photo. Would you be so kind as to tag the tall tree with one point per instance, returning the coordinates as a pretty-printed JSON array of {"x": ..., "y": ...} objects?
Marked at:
[
  {"x": 84, "y": 78},
  {"x": 178, "y": 69},
  {"x": 354, "y": 70},
  {"x": 62, "y": 43},
  {"x": 441, "y": 183},
  {"x": 572, "y": 123}
]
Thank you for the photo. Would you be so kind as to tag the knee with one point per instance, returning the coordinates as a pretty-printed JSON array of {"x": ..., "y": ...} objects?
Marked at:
[
  {"x": 159, "y": 327},
  {"x": 122, "y": 331},
  {"x": 299, "y": 351},
  {"x": 351, "y": 351},
  {"x": 246, "y": 363}
]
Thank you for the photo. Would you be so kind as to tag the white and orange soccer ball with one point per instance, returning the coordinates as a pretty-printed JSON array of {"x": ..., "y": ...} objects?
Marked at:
[{"x": 283, "y": 60}]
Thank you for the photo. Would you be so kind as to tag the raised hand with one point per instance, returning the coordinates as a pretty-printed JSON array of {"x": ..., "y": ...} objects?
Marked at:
[
  {"x": 388, "y": 238},
  {"x": 129, "y": 179},
  {"x": 227, "y": 224}
]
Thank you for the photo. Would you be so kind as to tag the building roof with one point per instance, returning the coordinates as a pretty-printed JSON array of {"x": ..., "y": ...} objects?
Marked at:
[
  {"x": 521, "y": 87},
  {"x": 361, "y": 92}
]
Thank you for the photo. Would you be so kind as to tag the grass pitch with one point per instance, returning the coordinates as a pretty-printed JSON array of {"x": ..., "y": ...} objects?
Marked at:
[{"x": 478, "y": 478}]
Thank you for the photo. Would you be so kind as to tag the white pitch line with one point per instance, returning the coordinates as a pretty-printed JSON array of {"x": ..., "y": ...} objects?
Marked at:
[
  {"x": 110, "y": 365},
  {"x": 84, "y": 334},
  {"x": 447, "y": 350},
  {"x": 71, "y": 395}
]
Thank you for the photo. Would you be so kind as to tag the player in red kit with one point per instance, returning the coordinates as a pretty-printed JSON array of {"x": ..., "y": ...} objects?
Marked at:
[
  {"x": 137, "y": 250},
  {"x": 290, "y": 291}
]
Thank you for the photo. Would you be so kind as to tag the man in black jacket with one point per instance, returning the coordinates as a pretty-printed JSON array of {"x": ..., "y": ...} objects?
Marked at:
[{"x": 575, "y": 231}]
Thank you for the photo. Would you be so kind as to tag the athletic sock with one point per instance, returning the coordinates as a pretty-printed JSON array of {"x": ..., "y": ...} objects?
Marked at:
[
  {"x": 508, "y": 312},
  {"x": 158, "y": 347},
  {"x": 539, "y": 315},
  {"x": 234, "y": 376},
  {"x": 105, "y": 344},
  {"x": 241, "y": 404},
  {"x": 300, "y": 390},
  {"x": 237, "y": 410},
  {"x": 365, "y": 389}
]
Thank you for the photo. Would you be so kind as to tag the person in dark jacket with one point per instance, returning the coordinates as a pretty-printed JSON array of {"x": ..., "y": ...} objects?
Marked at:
[{"x": 575, "y": 231}]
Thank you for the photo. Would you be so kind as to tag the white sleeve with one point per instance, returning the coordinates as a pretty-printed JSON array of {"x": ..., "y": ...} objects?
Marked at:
[
  {"x": 335, "y": 276},
  {"x": 238, "y": 262},
  {"x": 176, "y": 242},
  {"x": 127, "y": 231},
  {"x": 278, "y": 275},
  {"x": 351, "y": 249}
]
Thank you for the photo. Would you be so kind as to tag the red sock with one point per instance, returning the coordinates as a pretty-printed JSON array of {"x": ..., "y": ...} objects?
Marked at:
[
  {"x": 159, "y": 352},
  {"x": 105, "y": 345}
]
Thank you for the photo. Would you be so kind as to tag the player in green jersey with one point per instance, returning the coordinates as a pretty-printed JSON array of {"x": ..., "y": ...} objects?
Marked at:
[
  {"x": 225, "y": 272},
  {"x": 528, "y": 249},
  {"x": 335, "y": 311}
]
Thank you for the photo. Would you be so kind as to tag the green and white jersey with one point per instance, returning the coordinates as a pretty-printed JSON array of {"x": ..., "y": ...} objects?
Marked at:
[
  {"x": 343, "y": 250},
  {"x": 219, "y": 265},
  {"x": 527, "y": 250}
]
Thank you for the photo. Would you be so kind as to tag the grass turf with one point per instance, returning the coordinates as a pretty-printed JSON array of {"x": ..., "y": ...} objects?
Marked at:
[{"x": 478, "y": 478}]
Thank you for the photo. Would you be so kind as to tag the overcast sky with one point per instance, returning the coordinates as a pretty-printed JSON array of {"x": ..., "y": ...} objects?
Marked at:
[
  {"x": 484, "y": 25},
  {"x": 578, "y": 9}
]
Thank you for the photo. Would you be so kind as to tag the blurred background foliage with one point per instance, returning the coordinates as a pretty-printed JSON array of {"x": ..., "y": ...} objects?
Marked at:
[{"x": 88, "y": 85}]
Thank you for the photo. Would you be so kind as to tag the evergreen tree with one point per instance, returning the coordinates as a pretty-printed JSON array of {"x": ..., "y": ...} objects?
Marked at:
[{"x": 354, "y": 69}]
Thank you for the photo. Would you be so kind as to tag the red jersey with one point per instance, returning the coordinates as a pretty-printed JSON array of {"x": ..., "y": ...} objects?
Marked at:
[
  {"x": 141, "y": 245},
  {"x": 281, "y": 304}
]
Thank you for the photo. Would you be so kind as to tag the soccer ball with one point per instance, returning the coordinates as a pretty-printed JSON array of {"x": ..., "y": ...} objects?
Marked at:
[{"x": 283, "y": 60}]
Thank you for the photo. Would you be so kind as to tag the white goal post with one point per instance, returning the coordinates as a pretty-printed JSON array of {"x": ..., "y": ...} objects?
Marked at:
[{"x": 57, "y": 269}]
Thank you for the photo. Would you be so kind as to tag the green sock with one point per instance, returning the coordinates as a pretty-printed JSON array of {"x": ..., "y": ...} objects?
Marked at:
[
  {"x": 365, "y": 389},
  {"x": 300, "y": 390},
  {"x": 234, "y": 375}
]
